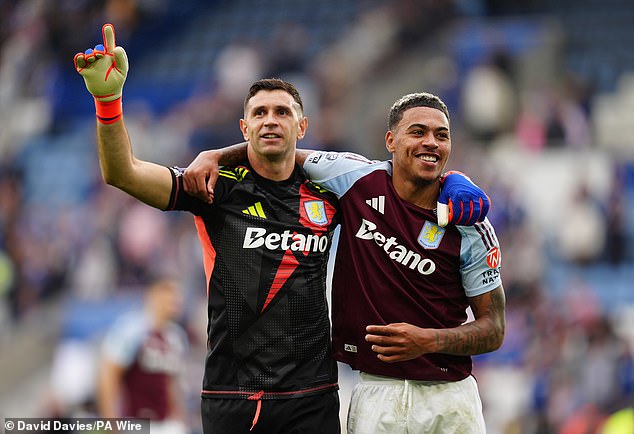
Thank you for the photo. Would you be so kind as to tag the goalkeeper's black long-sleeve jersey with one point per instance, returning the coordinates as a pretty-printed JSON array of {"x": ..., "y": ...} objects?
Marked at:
[{"x": 265, "y": 250}]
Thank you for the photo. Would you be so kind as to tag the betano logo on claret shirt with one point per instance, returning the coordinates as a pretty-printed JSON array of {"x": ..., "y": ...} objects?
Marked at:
[{"x": 395, "y": 250}]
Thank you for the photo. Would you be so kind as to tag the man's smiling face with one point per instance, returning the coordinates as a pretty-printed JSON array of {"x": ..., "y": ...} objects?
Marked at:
[{"x": 420, "y": 144}]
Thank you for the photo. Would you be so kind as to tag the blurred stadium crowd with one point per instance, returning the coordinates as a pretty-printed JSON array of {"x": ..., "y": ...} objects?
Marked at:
[{"x": 542, "y": 100}]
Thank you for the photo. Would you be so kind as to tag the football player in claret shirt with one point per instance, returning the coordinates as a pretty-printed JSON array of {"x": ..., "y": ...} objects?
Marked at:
[
  {"x": 402, "y": 281},
  {"x": 143, "y": 360}
]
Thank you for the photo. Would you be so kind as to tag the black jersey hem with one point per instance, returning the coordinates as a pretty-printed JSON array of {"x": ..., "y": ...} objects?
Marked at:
[{"x": 241, "y": 394}]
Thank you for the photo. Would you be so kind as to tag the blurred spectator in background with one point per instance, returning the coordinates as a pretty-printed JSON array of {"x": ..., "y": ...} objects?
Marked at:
[
  {"x": 142, "y": 362},
  {"x": 489, "y": 98},
  {"x": 616, "y": 242},
  {"x": 582, "y": 237}
]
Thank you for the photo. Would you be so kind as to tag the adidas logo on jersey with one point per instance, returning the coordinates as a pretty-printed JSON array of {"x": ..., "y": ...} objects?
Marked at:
[
  {"x": 255, "y": 210},
  {"x": 378, "y": 203}
]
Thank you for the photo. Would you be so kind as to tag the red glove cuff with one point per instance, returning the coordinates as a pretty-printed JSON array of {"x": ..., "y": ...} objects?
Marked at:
[{"x": 109, "y": 112}]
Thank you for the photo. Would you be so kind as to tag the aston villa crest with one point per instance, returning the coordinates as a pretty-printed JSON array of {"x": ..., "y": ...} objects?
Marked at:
[
  {"x": 316, "y": 212},
  {"x": 431, "y": 235}
]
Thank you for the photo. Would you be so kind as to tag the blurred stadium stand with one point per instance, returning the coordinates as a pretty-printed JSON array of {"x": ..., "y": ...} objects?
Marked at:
[{"x": 542, "y": 100}]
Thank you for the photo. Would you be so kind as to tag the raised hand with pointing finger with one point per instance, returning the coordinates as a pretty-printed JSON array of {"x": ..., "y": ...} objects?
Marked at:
[{"x": 104, "y": 69}]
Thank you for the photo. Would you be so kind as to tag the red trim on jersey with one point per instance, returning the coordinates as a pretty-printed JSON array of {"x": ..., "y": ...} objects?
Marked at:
[
  {"x": 289, "y": 262},
  {"x": 284, "y": 271},
  {"x": 209, "y": 253}
]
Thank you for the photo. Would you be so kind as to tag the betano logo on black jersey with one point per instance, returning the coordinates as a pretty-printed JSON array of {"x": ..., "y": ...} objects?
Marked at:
[
  {"x": 397, "y": 252},
  {"x": 287, "y": 240}
]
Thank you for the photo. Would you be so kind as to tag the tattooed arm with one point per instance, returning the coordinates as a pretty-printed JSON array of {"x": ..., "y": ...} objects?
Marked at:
[{"x": 402, "y": 341}]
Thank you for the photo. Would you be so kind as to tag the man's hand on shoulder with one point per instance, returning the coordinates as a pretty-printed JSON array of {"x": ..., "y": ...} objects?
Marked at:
[
  {"x": 461, "y": 202},
  {"x": 201, "y": 175}
]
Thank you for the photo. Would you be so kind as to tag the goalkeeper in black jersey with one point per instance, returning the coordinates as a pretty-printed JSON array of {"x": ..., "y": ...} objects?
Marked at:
[{"x": 265, "y": 241}]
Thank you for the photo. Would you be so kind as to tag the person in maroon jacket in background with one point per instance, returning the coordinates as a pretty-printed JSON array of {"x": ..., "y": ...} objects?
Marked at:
[{"x": 142, "y": 357}]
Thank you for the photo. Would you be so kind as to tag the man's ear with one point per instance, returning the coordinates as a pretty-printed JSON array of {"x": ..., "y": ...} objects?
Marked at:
[
  {"x": 243, "y": 128},
  {"x": 389, "y": 141},
  {"x": 303, "y": 126}
]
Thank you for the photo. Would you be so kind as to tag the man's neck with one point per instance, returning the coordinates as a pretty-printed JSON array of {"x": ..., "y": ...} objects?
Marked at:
[
  {"x": 272, "y": 169},
  {"x": 422, "y": 195}
]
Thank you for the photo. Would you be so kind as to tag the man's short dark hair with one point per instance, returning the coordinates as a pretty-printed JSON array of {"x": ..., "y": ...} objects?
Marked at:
[
  {"x": 274, "y": 84},
  {"x": 406, "y": 102}
]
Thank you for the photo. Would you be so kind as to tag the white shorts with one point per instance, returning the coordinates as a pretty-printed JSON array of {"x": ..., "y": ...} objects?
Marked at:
[{"x": 396, "y": 406}]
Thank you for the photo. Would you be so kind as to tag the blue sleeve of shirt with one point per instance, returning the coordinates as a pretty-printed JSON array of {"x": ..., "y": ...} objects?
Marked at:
[
  {"x": 480, "y": 264},
  {"x": 338, "y": 171}
]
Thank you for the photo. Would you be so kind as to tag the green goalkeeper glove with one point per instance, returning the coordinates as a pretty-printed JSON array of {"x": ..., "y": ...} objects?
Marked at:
[{"x": 104, "y": 69}]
